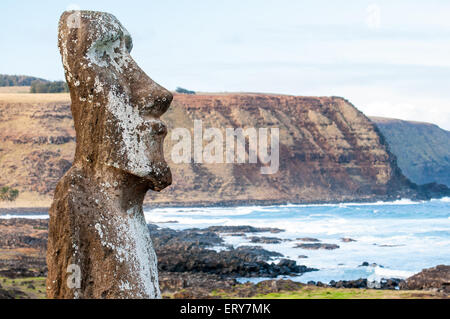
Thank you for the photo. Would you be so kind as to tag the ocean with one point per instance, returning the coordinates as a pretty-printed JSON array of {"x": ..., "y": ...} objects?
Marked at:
[
  {"x": 397, "y": 239},
  {"x": 401, "y": 238}
]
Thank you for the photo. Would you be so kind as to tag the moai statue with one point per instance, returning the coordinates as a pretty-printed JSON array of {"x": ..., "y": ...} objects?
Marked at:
[{"x": 99, "y": 245}]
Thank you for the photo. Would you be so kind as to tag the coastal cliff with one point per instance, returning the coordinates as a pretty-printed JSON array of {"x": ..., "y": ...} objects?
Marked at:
[
  {"x": 329, "y": 151},
  {"x": 422, "y": 149}
]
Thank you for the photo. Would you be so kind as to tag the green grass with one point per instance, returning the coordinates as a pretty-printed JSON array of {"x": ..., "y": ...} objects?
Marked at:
[
  {"x": 32, "y": 288},
  {"x": 311, "y": 292},
  {"x": 330, "y": 293}
]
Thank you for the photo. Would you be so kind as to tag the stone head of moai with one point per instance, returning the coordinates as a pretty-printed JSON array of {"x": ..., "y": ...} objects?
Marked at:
[
  {"x": 99, "y": 245},
  {"x": 115, "y": 105}
]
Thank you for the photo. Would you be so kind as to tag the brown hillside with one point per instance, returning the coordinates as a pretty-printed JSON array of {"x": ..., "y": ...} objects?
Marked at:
[{"x": 329, "y": 151}]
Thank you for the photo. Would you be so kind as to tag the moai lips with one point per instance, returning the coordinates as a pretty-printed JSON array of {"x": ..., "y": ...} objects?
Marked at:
[{"x": 96, "y": 220}]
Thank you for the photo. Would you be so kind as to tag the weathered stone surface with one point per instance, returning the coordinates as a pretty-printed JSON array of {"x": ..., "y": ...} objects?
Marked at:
[
  {"x": 96, "y": 219},
  {"x": 437, "y": 278}
]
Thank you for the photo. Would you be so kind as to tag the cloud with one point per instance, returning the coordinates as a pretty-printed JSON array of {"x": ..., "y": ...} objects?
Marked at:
[
  {"x": 422, "y": 111},
  {"x": 393, "y": 103},
  {"x": 373, "y": 17}
]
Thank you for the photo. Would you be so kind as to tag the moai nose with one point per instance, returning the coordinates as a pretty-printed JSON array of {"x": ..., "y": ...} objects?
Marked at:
[
  {"x": 162, "y": 101},
  {"x": 151, "y": 98}
]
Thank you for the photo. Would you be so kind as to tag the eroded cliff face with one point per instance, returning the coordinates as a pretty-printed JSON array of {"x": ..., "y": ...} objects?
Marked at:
[
  {"x": 37, "y": 144},
  {"x": 422, "y": 149},
  {"x": 329, "y": 151}
]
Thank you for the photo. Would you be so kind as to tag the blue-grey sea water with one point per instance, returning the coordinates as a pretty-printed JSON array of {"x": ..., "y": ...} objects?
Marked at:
[{"x": 401, "y": 237}]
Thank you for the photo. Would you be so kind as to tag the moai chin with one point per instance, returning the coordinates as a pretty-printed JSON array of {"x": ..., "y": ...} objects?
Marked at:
[{"x": 99, "y": 245}]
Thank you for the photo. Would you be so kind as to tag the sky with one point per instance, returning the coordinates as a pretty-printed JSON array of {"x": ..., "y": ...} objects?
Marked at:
[{"x": 388, "y": 58}]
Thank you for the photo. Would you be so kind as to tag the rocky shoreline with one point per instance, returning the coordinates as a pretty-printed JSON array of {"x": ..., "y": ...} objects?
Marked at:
[{"x": 193, "y": 263}]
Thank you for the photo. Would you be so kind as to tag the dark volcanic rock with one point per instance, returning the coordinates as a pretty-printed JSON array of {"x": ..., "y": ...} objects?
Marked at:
[
  {"x": 22, "y": 233},
  {"x": 192, "y": 285},
  {"x": 347, "y": 240},
  {"x": 238, "y": 229},
  {"x": 392, "y": 283},
  {"x": 317, "y": 246},
  {"x": 23, "y": 243},
  {"x": 265, "y": 240},
  {"x": 187, "y": 251},
  {"x": 366, "y": 264},
  {"x": 16, "y": 241},
  {"x": 244, "y": 261},
  {"x": 235, "y": 235},
  {"x": 360, "y": 283},
  {"x": 288, "y": 267},
  {"x": 11, "y": 294},
  {"x": 387, "y": 284},
  {"x": 433, "y": 278},
  {"x": 260, "y": 252},
  {"x": 169, "y": 237},
  {"x": 177, "y": 251},
  {"x": 22, "y": 268},
  {"x": 433, "y": 190}
]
